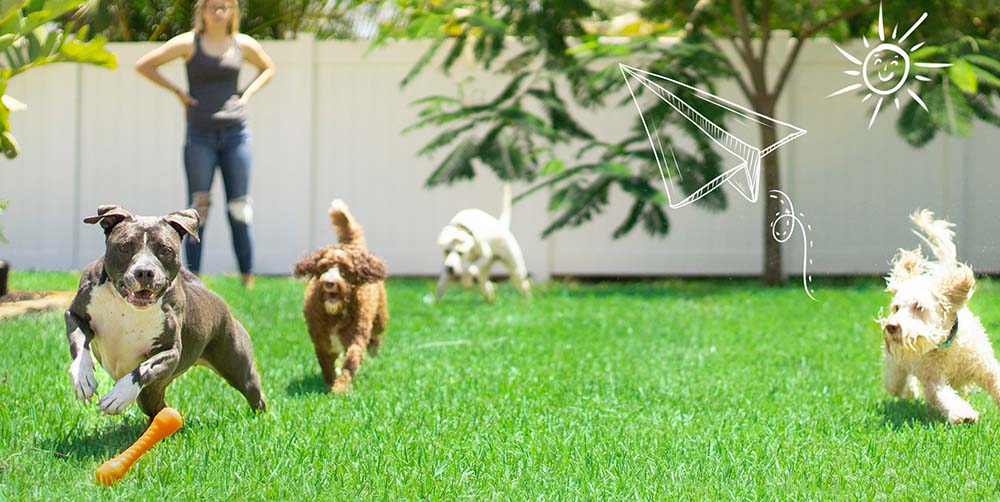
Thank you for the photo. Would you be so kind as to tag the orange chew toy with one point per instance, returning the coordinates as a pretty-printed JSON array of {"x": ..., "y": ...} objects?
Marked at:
[{"x": 165, "y": 423}]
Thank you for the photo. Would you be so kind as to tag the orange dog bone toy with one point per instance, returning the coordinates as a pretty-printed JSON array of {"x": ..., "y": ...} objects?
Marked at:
[{"x": 165, "y": 423}]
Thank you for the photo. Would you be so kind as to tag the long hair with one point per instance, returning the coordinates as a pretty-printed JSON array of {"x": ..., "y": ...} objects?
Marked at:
[{"x": 199, "y": 17}]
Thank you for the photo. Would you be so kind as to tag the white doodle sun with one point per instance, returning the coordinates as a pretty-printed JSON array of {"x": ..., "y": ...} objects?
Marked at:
[{"x": 885, "y": 70}]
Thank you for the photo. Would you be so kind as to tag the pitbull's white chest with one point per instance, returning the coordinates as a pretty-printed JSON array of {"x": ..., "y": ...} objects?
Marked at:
[{"x": 123, "y": 335}]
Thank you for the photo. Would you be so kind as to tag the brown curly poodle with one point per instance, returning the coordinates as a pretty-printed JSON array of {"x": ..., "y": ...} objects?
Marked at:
[{"x": 345, "y": 307}]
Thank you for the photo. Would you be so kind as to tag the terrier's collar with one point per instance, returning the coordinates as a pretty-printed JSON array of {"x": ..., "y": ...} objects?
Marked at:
[{"x": 951, "y": 337}]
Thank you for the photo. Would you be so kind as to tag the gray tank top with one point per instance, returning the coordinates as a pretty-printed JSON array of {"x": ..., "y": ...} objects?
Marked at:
[{"x": 213, "y": 82}]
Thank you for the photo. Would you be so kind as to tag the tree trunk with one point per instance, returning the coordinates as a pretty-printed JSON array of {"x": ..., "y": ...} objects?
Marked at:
[{"x": 773, "y": 275}]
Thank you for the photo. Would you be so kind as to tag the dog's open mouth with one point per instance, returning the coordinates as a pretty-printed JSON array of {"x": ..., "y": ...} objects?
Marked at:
[
  {"x": 142, "y": 298},
  {"x": 331, "y": 296}
]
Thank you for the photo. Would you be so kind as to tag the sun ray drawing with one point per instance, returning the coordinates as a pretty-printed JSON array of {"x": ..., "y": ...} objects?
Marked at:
[{"x": 886, "y": 68}]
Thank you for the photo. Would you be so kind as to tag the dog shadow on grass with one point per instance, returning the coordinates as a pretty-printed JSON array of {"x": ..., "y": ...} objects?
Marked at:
[
  {"x": 107, "y": 441},
  {"x": 307, "y": 384},
  {"x": 907, "y": 413}
]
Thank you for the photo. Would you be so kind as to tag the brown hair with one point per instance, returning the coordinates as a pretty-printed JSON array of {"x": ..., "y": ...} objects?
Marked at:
[{"x": 199, "y": 16}]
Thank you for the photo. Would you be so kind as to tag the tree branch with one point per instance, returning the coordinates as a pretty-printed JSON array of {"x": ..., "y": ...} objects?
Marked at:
[
  {"x": 765, "y": 36},
  {"x": 738, "y": 76},
  {"x": 847, "y": 14},
  {"x": 804, "y": 33},
  {"x": 740, "y": 13},
  {"x": 752, "y": 61},
  {"x": 695, "y": 12}
]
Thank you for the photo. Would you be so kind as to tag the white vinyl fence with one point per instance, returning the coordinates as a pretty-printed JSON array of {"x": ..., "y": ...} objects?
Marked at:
[{"x": 330, "y": 125}]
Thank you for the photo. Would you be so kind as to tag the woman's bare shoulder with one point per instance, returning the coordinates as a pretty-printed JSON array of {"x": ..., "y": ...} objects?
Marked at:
[
  {"x": 246, "y": 41},
  {"x": 186, "y": 38},
  {"x": 182, "y": 44}
]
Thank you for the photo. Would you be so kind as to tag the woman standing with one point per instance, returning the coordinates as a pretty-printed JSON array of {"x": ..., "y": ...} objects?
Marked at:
[{"x": 217, "y": 131}]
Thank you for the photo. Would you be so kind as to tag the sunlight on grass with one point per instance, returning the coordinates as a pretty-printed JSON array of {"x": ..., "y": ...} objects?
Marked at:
[{"x": 652, "y": 390}]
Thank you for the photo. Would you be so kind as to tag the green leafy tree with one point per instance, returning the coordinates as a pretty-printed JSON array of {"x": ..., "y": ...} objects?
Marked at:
[
  {"x": 515, "y": 132},
  {"x": 966, "y": 34},
  {"x": 29, "y": 38},
  {"x": 133, "y": 20},
  {"x": 967, "y": 30},
  {"x": 963, "y": 32}
]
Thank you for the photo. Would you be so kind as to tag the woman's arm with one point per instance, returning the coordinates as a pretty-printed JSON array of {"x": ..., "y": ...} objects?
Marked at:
[
  {"x": 256, "y": 56},
  {"x": 148, "y": 65}
]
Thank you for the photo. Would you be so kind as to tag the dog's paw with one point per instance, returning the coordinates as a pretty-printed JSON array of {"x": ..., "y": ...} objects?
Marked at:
[
  {"x": 81, "y": 373},
  {"x": 969, "y": 416},
  {"x": 341, "y": 387},
  {"x": 910, "y": 391},
  {"x": 122, "y": 394}
]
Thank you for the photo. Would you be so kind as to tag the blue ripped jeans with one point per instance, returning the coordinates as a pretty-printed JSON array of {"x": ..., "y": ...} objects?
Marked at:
[{"x": 228, "y": 149}]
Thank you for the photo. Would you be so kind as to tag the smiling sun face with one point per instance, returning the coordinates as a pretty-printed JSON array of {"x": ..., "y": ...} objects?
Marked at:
[
  {"x": 886, "y": 68},
  {"x": 889, "y": 65}
]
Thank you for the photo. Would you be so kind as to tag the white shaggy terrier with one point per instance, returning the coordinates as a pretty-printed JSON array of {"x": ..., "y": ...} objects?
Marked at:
[{"x": 930, "y": 335}]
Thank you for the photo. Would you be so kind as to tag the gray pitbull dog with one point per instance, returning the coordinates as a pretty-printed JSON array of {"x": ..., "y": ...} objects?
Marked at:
[{"x": 147, "y": 319}]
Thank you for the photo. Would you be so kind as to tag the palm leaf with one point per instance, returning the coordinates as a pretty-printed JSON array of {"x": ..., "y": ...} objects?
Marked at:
[
  {"x": 457, "y": 166},
  {"x": 915, "y": 125},
  {"x": 630, "y": 220},
  {"x": 583, "y": 206}
]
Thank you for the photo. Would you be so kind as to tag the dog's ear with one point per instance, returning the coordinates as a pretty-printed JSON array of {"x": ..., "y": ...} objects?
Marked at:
[
  {"x": 955, "y": 287},
  {"x": 109, "y": 216},
  {"x": 186, "y": 222},
  {"x": 906, "y": 265},
  {"x": 453, "y": 239},
  {"x": 447, "y": 237},
  {"x": 367, "y": 268},
  {"x": 308, "y": 266}
]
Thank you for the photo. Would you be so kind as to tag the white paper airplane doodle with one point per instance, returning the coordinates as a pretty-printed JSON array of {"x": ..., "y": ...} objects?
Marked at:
[{"x": 738, "y": 140}]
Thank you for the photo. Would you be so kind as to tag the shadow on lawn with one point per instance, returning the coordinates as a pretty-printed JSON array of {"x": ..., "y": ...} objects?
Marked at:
[
  {"x": 305, "y": 385},
  {"x": 695, "y": 287},
  {"x": 687, "y": 288},
  {"x": 907, "y": 413},
  {"x": 107, "y": 441}
]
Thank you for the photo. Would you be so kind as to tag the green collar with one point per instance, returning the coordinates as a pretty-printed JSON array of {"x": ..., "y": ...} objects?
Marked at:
[{"x": 951, "y": 337}]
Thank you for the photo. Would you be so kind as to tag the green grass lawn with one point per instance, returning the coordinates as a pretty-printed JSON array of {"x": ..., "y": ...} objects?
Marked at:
[{"x": 665, "y": 390}]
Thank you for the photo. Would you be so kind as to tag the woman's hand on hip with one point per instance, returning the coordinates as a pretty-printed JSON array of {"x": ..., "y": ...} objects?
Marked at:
[{"x": 186, "y": 98}]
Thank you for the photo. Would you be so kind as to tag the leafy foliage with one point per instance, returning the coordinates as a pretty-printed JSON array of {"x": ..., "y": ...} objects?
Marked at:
[
  {"x": 128, "y": 20},
  {"x": 957, "y": 95},
  {"x": 548, "y": 57},
  {"x": 29, "y": 40},
  {"x": 514, "y": 134}
]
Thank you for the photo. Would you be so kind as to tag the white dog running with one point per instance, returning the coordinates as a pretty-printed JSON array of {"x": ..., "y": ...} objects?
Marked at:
[
  {"x": 473, "y": 242},
  {"x": 931, "y": 337}
]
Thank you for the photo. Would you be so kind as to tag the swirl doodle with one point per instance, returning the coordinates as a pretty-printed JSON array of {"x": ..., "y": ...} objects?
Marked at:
[{"x": 783, "y": 228}]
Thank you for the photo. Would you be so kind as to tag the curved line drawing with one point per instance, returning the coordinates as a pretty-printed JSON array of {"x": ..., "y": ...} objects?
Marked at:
[
  {"x": 787, "y": 214},
  {"x": 746, "y": 155}
]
